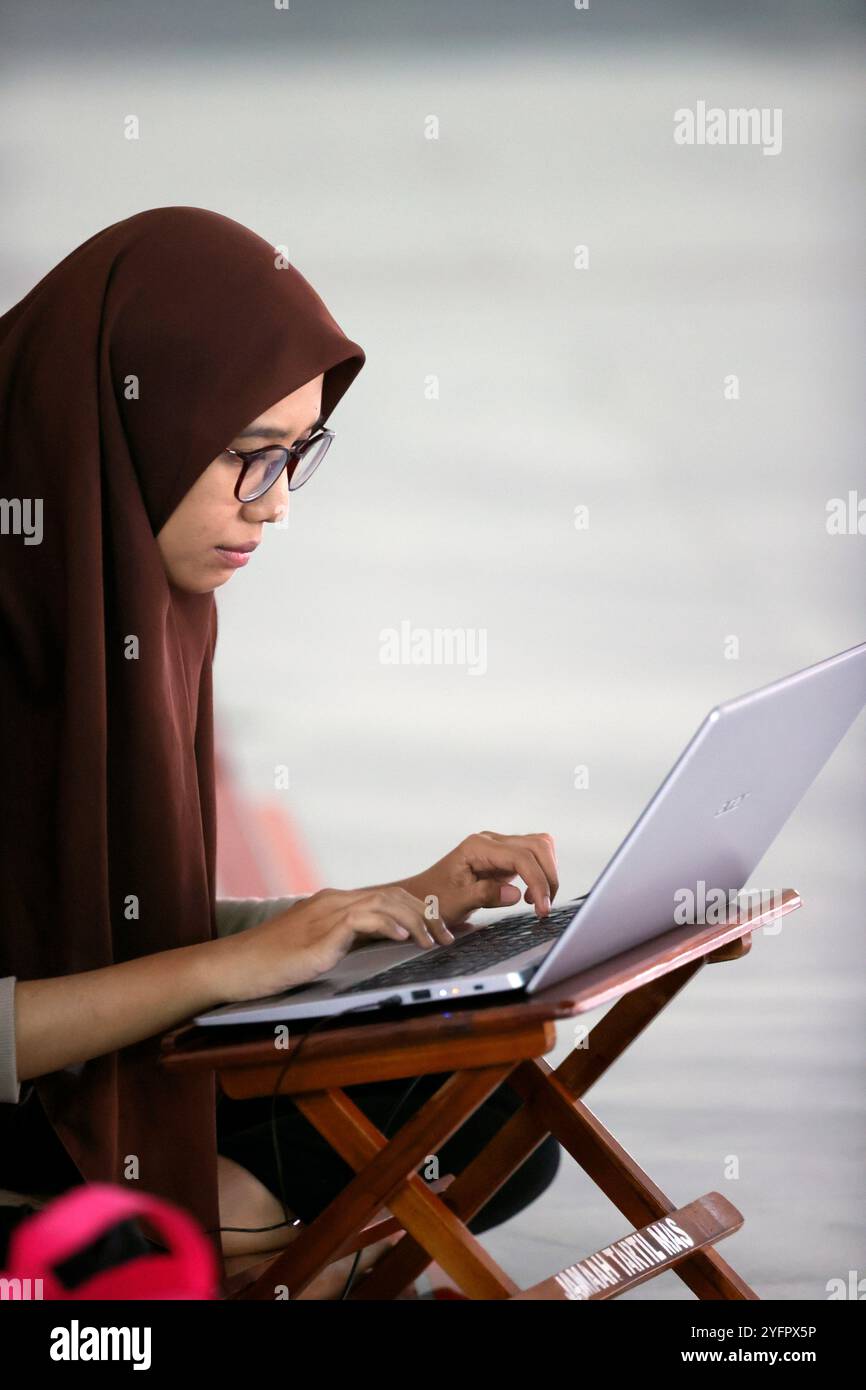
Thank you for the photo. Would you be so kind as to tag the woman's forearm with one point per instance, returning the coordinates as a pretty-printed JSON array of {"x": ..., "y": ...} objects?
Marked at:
[{"x": 68, "y": 1019}]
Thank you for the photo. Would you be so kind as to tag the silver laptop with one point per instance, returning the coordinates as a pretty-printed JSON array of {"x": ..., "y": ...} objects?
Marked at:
[{"x": 704, "y": 832}]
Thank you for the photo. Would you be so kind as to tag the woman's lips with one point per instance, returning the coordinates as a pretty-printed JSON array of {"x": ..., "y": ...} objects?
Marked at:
[{"x": 236, "y": 556}]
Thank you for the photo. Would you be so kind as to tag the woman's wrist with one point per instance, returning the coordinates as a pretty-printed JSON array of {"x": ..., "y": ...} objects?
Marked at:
[{"x": 213, "y": 966}]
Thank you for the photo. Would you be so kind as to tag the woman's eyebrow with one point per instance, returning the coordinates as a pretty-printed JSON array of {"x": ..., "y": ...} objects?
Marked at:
[{"x": 255, "y": 431}]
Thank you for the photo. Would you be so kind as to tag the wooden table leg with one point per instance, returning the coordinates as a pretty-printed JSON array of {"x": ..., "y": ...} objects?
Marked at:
[
  {"x": 618, "y": 1175},
  {"x": 620, "y": 1027},
  {"x": 385, "y": 1168},
  {"x": 522, "y": 1134},
  {"x": 435, "y": 1228},
  {"x": 503, "y": 1155},
  {"x": 424, "y": 1216},
  {"x": 640, "y": 1255}
]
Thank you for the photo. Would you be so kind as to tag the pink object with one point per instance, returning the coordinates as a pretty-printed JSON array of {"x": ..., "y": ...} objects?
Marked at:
[
  {"x": 261, "y": 852},
  {"x": 73, "y": 1221}
]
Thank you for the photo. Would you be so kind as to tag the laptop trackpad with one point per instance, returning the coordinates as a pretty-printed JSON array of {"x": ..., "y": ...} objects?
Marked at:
[
  {"x": 369, "y": 960},
  {"x": 357, "y": 965}
]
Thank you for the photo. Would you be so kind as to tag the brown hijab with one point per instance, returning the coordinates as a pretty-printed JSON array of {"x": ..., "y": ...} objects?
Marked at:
[{"x": 123, "y": 373}]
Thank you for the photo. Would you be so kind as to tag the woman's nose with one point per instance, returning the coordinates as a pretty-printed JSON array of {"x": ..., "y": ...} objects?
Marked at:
[{"x": 272, "y": 505}]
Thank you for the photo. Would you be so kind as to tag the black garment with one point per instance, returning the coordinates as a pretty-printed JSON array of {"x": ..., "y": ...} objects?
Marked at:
[
  {"x": 313, "y": 1173},
  {"x": 32, "y": 1158}
]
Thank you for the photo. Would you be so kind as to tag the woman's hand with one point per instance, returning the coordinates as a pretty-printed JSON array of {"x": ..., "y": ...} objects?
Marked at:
[
  {"x": 481, "y": 870},
  {"x": 310, "y": 937}
]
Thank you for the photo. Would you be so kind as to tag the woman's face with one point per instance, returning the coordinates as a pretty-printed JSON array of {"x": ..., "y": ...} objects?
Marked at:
[{"x": 210, "y": 533}]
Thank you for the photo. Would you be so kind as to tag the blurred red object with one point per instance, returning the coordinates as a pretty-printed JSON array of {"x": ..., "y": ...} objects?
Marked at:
[
  {"x": 75, "y": 1220},
  {"x": 260, "y": 851}
]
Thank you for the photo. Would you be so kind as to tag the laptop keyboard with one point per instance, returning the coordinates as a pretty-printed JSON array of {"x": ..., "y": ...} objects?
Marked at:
[{"x": 479, "y": 951}]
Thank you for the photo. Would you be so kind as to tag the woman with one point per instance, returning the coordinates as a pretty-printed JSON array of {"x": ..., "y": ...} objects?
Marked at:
[{"x": 161, "y": 388}]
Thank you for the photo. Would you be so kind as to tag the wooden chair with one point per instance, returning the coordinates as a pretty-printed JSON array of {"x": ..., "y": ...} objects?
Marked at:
[{"x": 480, "y": 1045}]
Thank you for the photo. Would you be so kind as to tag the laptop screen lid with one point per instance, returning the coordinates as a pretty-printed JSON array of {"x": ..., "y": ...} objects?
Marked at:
[{"x": 716, "y": 813}]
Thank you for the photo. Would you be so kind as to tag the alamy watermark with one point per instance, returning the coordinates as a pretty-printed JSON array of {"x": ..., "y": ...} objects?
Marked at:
[
  {"x": 438, "y": 646},
  {"x": 737, "y": 126},
  {"x": 20, "y": 1290},
  {"x": 22, "y": 516},
  {"x": 702, "y": 906}
]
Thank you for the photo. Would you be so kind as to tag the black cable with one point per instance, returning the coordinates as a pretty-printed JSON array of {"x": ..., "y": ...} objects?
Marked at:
[
  {"x": 275, "y": 1226},
  {"x": 385, "y": 1130},
  {"x": 256, "y": 1230}
]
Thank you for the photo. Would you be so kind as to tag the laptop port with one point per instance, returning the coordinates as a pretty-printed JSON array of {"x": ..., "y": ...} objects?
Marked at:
[{"x": 420, "y": 994}]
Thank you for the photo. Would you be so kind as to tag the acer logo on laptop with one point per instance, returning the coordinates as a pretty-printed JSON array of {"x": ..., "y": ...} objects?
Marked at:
[{"x": 733, "y": 805}]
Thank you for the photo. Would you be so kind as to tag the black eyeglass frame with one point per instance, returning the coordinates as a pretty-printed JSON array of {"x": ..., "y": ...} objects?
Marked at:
[{"x": 293, "y": 454}]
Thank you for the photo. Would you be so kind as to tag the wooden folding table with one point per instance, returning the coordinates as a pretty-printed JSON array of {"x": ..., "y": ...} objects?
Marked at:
[{"x": 481, "y": 1044}]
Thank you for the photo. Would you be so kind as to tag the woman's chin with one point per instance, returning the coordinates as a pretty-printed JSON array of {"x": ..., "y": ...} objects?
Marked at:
[{"x": 201, "y": 580}]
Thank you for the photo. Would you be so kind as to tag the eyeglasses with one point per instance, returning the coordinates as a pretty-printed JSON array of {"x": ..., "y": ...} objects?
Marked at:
[{"x": 262, "y": 467}]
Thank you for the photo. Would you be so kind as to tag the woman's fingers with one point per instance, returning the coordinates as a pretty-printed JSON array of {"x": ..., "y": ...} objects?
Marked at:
[
  {"x": 494, "y": 890},
  {"x": 361, "y": 923},
  {"x": 545, "y": 851},
  {"x": 313, "y": 935},
  {"x": 542, "y": 845},
  {"x": 430, "y": 922},
  {"x": 399, "y": 908},
  {"x": 530, "y": 856}
]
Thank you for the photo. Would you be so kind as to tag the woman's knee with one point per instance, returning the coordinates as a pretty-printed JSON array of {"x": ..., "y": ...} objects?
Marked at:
[{"x": 254, "y": 1218}]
